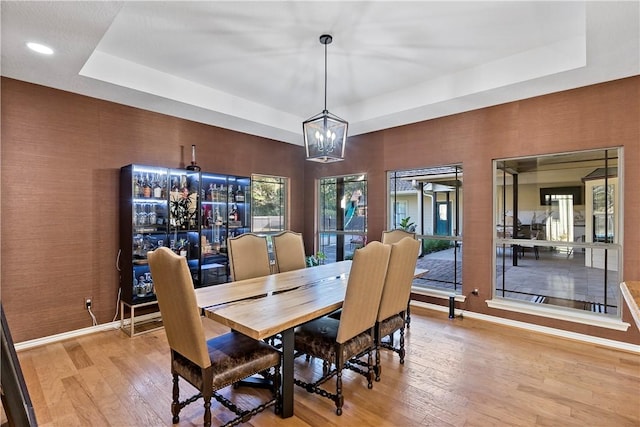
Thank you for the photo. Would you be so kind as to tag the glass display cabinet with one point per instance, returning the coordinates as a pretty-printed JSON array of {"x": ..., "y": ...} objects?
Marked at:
[
  {"x": 158, "y": 207},
  {"x": 190, "y": 212}
]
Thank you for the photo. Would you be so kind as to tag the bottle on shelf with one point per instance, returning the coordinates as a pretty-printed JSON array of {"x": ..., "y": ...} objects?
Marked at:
[
  {"x": 157, "y": 189},
  {"x": 239, "y": 194},
  {"x": 146, "y": 187},
  {"x": 183, "y": 248},
  {"x": 233, "y": 213},
  {"x": 137, "y": 189},
  {"x": 152, "y": 216}
]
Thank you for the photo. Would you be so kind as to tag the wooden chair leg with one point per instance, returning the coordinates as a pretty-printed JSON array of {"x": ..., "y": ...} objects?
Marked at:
[
  {"x": 408, "y": 318},
  {"x": 401, "y": 352},
  {"x": 175, "y": 405},
  {"x": 378, "y": 367},
  {"x": 207, "y": 411},
  {"x": 369, "y": 370},
  {"x": 339, "y": 398}
]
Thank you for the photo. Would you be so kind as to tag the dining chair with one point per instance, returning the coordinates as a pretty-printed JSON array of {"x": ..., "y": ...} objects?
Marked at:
[
  {"x": 394, "y": 236},
  {"x": 248, "y": 256},
  {"x": 288, "y": 248},
  {"x": 395, "y": 295},
  {"x": 341, "y": 343},
  {"x": 208, "y": 365}
]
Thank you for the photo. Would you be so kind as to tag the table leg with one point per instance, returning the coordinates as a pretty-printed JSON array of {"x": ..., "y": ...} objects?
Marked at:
[{"x": 287, "y": 373}]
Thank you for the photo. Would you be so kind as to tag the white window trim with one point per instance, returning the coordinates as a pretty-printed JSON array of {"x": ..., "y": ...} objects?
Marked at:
[{"x": 558, "y": 313}]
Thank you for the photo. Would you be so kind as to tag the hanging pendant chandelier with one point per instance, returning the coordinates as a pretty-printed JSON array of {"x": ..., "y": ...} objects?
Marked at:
[{"x": 325, "y": 134}]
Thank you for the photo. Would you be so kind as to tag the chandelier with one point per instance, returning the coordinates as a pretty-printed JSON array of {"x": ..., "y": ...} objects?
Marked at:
[{"x": 325, "y": 134}]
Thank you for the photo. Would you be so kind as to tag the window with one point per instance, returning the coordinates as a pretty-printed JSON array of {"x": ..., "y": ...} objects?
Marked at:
[
  {"x": 269, "y": 207},
  {"x": 268, "y": 212},
  {"x": 556, "y": 230},
  {"x": 429, "y": 202},
  {"x": 342, "y": 219},
  {"x": 400, "y": 212}
]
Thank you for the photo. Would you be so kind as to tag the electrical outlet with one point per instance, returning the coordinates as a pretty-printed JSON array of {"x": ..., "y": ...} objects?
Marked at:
[{"x": 87, "y": 303}]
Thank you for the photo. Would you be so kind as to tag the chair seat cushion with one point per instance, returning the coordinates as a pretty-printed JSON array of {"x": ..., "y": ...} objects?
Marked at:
[
  {"x": 390, "y": 325},
  {"x": 233, "y": 356},
  {"x": 318, "y": 338}
]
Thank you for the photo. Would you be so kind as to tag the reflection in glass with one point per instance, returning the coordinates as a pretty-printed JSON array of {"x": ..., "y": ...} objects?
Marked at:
[
  {"x": 342, "y": 217},
  {"x": 555, "y": 230}
]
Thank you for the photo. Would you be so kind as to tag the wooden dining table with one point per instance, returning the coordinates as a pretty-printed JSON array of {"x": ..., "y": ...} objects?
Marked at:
[{"x": 265, "y": 306}]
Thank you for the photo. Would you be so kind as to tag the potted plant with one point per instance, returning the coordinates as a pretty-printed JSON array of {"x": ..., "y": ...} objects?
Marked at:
[
  {"x": 316, "y": 259},
  {"x": 406, "y": 225}
]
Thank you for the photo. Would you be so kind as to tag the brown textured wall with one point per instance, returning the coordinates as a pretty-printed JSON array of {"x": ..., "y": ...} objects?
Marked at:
[
  {"x": 61, "y": 154},
  {"x": 603, "y": 115},
  {"x": 61, "y": 157}
]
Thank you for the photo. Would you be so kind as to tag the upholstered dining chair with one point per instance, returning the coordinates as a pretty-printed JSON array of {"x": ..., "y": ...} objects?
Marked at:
[
  {"x": 248, "y": 256},
  {"x": 394, "y": 236},
  {"x": 288, "y": 248},
  {"x": 341, "y": 343},
  {"x": 395, "y": 294},
  {"x": 207, "y": 365}
]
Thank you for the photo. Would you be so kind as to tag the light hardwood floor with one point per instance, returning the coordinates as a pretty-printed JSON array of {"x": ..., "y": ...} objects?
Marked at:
[{"x": 460, "y": 372}]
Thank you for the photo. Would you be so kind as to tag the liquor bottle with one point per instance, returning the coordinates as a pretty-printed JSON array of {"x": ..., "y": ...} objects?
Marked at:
[
  {"x": 146, "y": 187},
  {"x": 163, "y": 189},
  {"x": 232, "y": 195},
  {"x": 157, "y": 189},
  {"x": 137, "y": 191},
  {"x": 183, "y": 249},
  {"x": 233, "y": 213},
  {"x": 152, "y": 217},
  {"x": 239, "y": 194},
  {"x": 218, "y": 217}
]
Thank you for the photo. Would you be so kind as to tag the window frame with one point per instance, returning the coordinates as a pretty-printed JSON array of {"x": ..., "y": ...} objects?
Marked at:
[{"x": 503, "y": 241}]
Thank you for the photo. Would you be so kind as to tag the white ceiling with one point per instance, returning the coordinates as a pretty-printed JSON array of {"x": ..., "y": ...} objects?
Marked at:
[{"x": 258, "y": 67}]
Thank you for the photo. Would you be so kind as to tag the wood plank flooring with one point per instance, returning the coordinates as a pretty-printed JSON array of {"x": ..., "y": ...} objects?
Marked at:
[{"x": 460, "y": 372}]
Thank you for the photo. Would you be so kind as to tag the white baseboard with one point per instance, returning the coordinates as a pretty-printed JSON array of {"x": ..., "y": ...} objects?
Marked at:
[
  {"x": 618, "y": 345},
  {"x": 80, "y": 332}
]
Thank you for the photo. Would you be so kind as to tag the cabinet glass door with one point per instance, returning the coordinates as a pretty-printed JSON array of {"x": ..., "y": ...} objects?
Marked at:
[
  {"x": 184, "y": 217},
  {"x": 213, "y": 261},
  {"x": 145, "y": 224}
]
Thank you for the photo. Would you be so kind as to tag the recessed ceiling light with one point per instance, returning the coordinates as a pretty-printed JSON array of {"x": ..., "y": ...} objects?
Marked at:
[{"x": 40, "y": 48}]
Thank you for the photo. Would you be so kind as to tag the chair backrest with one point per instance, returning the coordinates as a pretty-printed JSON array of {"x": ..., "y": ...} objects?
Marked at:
[
  {"x": 364, "y": 289},
  {"x": 397, "y": 284},
  {"x": 288, "y": 248},
  {"x": 248, "y": 256},
  {"x": 394, "y": 236},
  {"x": 178, "y": 305}
]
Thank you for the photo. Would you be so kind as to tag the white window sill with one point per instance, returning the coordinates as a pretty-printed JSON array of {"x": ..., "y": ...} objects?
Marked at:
[
  {"x": 543, "y": 310},
  {"x": 436, "y": 293}
]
